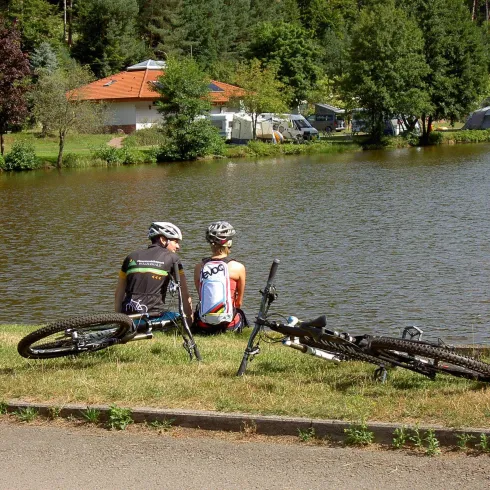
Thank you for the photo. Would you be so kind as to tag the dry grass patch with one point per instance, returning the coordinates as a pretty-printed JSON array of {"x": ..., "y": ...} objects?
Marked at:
[{"x": 281, "y": 381}]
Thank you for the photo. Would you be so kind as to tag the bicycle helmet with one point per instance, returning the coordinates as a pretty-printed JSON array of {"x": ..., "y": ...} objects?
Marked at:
[
  {"x": 166, "y": 229},
  {"x": 220, "y": 233}
]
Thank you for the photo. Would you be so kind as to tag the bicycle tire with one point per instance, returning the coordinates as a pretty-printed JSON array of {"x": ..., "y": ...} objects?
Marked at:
[
  {"x": 404, "y": 351},
  {"x": 98, "y": 331}
]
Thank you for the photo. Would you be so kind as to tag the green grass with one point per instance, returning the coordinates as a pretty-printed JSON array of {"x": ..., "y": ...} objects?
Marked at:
[
  {"x": 48, "y": 147},
  {"x": 281, "y": 381}
]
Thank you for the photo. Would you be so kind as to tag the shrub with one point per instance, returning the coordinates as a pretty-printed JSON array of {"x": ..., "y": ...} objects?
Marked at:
[
  {"x": 144, "y": 137},
  {"x": 435, "y": 137},
  {"x": 198, "y": 139},
  {"x": 72, "y": 160},
  {"x": 2, "y": 163},
  {"x": 109, "y": 154},
  {"x": 21, "y": 157},
  {"x": 119, "y": 417}
]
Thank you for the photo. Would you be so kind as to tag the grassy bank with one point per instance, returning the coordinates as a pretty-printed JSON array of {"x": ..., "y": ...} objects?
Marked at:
[{"x": 281, "y": 381}]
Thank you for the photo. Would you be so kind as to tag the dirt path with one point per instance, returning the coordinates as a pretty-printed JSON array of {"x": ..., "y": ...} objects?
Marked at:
[
  {"x": 46, "y": 456},
  {"x": 116, "y": 142}
]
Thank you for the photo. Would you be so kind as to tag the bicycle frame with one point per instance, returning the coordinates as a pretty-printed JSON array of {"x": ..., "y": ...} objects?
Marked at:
[{"x": 312, "y": 337}]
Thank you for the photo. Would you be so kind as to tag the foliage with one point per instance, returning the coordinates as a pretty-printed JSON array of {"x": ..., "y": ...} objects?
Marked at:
[
  {"x": 44, "y": 58},
  {"x": 184, "y": 100},
  {"x": 435, "y": 138},
  {"x": 454, "y": 52},
  {"x": 199, "y": 138},
  {"x": 293, "y": 53},
  {"x": 37, "y": 20},
  {"x": 358, "y": 435},
  {"x": 107, "y": 38},
  {"x": 27, "y": 414},
  {"x": 400, "y": 437},
  {"x": 433, "y": 448},
  {"x": 162, "y": 425},
  {"x": 416, "y": 437},
  {"x": 119, "y": 417},
  {"x": 59, "y": 104},
  {"x": 306, "y": 435},
  {"x": 484, "y": 444},
  {"x": 14, "y": 70},
  {"x": 21, "y": 157},
  {"x": 91, "y": 415},
  {"x": 3, "y": 408},
  {"x": 387, "y": 65},
  {"x": 463, "y": 440},
  {"x": 144, "y": 137},
  {"x": 261, "y": 90}
]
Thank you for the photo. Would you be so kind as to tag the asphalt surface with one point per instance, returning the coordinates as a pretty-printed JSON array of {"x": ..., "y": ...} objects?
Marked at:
[{"x": 52, "y": 457}]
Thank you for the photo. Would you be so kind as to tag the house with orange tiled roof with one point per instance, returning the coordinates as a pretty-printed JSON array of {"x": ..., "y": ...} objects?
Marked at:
[{"x": 131, "y": 99}]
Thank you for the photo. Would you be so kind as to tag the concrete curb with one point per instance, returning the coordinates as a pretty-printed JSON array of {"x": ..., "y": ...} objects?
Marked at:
[{"x": 259, "y": 424}]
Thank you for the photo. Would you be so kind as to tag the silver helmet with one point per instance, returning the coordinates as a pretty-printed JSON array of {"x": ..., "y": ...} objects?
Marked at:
[
  {"x": 220, "y": 233},
  {"x": 166, "y": 229}
]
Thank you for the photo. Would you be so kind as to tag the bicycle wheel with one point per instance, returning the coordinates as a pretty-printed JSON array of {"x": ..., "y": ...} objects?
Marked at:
[
  {"x": 426, "y": 358},
  {"x": 74, "y": 336}
]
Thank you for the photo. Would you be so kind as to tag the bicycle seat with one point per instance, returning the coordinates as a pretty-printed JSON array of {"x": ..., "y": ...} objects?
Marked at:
[{"x": 319, "y": 322}]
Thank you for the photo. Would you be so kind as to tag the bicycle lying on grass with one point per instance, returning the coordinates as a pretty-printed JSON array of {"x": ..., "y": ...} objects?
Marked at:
[
  {"x": 312, "y": 337},
  {"x": 91, "y": 333}
]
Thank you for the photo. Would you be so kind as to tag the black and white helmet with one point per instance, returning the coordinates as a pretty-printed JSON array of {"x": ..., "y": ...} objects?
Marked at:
[
  {"x": 220, "y": 233},
  {"x": 166, "y": 229}
]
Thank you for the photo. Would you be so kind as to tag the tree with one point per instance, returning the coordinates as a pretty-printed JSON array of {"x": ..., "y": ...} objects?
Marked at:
[
  {"x": 290, "y": 48},
  {"x": 43, "y": 58},
  {"x": 14, "y": 73},
  {"x": 37, "y": 20},
  {"x": 59, "y": 104},
  {"x": 387, "y": 66},
  {"x": 107, "y": 36},
  {"x": 455, "y": 54},
  {"x": 184, "y": 100},
  {"x": 262, "y": 91}
]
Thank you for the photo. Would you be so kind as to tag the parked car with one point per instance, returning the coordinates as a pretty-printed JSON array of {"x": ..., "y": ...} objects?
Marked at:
[{"x": 327, "y": 122}]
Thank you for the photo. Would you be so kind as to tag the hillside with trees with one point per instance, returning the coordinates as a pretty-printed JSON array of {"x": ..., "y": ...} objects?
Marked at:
[{"x": 427, "y": 59}]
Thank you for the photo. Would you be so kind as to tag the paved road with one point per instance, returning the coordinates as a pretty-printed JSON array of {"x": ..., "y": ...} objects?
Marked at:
[{"x": 47, "y": 457}]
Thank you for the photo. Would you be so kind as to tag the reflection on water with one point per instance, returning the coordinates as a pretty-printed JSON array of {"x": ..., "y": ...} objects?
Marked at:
[{"x": 376, "y": 240}]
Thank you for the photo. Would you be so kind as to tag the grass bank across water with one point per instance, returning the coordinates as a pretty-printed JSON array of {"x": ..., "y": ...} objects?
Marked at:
[{"x": 157, "y": 373}]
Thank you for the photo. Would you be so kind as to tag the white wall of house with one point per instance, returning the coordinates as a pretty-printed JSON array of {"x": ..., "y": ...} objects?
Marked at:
[
  {"x": 146, "y": 115},
  {"x": 121, "y": 113}
]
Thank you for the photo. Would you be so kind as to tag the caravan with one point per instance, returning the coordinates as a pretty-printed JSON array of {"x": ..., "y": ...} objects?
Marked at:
[{"x": 272, "y": 128}]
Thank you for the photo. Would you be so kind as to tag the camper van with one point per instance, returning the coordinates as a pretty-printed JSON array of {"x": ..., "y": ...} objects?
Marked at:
[
  {"x": 292, "y": 127},
  {"x": 327, "y": 118}
]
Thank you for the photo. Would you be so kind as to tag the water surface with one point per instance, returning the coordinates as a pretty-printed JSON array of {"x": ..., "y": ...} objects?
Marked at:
[{"x": 375, "y": 240}]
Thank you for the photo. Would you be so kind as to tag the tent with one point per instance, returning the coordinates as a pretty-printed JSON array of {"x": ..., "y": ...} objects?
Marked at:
[{"x": 479, "y": 119}]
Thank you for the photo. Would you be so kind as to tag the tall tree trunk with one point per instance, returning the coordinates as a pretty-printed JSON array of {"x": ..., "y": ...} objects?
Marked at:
[
  {"x": 70, "y": 21},
  {"x": 2, "y": 145},
  {"x": 59, "y": 162},
  {"x": 473, "y": 13}
]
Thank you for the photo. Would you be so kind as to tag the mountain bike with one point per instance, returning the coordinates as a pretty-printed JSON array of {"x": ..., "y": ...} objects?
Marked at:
[
  {"x": 312, "y": 337},
  {"x": 90, "y": 333}
]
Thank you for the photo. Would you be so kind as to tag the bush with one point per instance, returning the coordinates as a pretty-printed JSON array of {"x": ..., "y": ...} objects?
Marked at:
[
  {"x": 21, "y": 157},
  {"x": 198, "y": 139},
  {"x": 2, "y": 163},
  {"x": 144, "y": 137},
  {"x": 109, "y": 154},
  {"x": 72, "y": 160},
  {"x": 435, "y": 137}
]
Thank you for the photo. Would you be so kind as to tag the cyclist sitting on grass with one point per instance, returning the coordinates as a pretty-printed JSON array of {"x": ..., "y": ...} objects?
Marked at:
[
  {"x": 145, "y": 275},
  {"x": 220, "y": 282}
]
